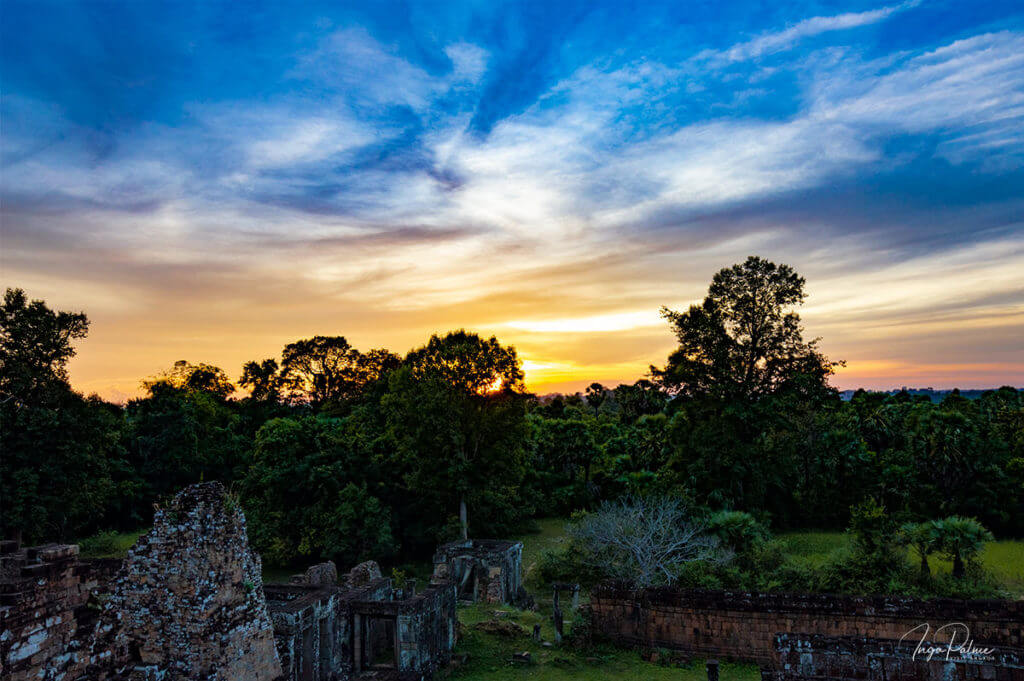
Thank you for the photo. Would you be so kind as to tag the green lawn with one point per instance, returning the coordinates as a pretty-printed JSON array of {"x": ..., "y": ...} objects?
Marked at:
[
  {"x": 490, "y": 656},
  {"x": 550, "y": 534},
  {"x": 1004, "y": 559},
  {"x": 812, "y": 548},
  {"x": 109, "y": 544}
]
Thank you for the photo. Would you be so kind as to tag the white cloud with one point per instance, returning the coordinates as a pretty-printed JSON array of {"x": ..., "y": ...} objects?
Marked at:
[
  {"x": 305, "y": 141},
  {"x": 779, "y": 41},
  {"x": 469, "y": 62}
]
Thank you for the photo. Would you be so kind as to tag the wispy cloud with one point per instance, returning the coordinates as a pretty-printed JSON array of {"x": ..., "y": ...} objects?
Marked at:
[{"x": 778, "y": 41}]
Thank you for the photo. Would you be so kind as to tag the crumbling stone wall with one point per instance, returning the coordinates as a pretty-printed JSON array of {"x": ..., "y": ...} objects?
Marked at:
[
  {"x": 424, "y": 627},
  {"x": 804, "y": 657},
  {"x": 743, "y": 625},
  {"x": 323, "y": 629},
  {"x": 45, "y": 607},
  {"x": 483, "y": 570},
  {"x": 188, "y": 601},
  {"x": 313, "y": 626}
]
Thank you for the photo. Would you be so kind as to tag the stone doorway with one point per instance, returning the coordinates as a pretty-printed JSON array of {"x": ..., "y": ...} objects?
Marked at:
[{"x": 380, "y": 642}]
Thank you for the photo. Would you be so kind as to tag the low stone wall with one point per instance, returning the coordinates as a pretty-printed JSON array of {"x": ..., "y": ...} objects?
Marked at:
[
  {"x": 841, "y": 658},
  {"x": 43, "y": 596},
  {"x": 743, "y": 625}
]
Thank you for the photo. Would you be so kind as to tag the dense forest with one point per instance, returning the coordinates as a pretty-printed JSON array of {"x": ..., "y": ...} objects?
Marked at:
[{"x": 336, "y": 452}]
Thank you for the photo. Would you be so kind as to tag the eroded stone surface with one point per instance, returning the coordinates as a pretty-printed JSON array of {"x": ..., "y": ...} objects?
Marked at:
[
  {"x": 363, "y": 574},
  {"x": 485, "y": 570},
  {"x": 804, "y": 657},
  {"x": 186, "y": 603},
  {"x": 189, "y": 599},
  {"x": 362, "y": 628}
]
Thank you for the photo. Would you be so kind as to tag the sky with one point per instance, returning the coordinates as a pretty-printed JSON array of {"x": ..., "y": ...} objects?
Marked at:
[{"x": 209, "y": 181}]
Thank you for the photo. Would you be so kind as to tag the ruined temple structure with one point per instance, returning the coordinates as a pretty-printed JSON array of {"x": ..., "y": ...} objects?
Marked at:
[
  {"x": 361, "y": 626},
  {"x": 188, "y": 602},
  {"x": 485, "y": 570}
]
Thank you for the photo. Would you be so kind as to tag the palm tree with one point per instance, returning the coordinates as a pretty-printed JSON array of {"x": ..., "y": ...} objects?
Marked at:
[
  {"x": 924, "y": 538},
  {"x": 961, "y": 539}
]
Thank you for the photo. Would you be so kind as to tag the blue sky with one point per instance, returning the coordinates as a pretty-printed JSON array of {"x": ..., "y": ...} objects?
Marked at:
[{"x": 212, "y": 180}]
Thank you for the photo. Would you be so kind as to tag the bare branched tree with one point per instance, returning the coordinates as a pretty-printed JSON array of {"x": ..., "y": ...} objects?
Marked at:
[{"x": 644, "y": 540}]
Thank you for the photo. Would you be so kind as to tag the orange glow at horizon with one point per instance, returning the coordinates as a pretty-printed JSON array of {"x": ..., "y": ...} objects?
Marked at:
[{"x": 944, "y": 320}]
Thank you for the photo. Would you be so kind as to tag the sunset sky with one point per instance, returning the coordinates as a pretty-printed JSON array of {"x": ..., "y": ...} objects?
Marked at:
[{"x": 210, "y": 181}]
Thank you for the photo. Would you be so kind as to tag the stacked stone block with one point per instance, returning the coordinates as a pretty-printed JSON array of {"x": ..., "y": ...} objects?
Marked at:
[
  {"x": 813, "y": 657},
  {"x": 188, "y": 601},
  {"x": 743, "y": 625},
  {"x": 322, "y": 628},
  {"x": 485, "y": 570},
  {"x": 42, "y": 592}
]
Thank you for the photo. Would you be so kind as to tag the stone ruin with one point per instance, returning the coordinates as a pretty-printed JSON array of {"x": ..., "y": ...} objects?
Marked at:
[
  {"x": 188, "y": 602},
  {"x": 363, "y": 625},
  {"x": 46, "y": 600},
  {"x": 486, "y": 570},
  {"x": 860, "y": 658}
]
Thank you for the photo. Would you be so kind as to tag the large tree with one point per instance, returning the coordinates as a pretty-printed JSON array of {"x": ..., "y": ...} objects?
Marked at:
[
  {"x": 327, "y": 369},
  {"x": 456, "y": 410},
  {"x": 57, "y": 449},
  {"x": 185, "y": 430},
  {"x": 307, "y": 494},
  {"x": 35, "y": 346},
  {"x": 262, "y": 379},
  {"x": 744, "y": 341}
]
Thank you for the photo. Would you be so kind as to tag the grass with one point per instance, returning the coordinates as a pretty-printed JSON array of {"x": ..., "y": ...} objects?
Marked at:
[
  {"x": 490, "y": 656},
  {"x": 812, "y": 548},
  {"x": 109, "y": 544},
  {"x": 550, "y": 534},
  {"x": 1003, "y": 559}
]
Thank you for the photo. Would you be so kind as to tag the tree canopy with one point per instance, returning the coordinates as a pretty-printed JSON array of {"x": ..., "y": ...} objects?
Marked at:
[{"x": 744, "y": 341}]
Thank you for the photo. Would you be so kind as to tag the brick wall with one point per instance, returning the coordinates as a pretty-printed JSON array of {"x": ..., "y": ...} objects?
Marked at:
[
  {"x": 842, "y": 658},
  {"x": 742, "y": 625},
  {"x": 43, "y": 591}
]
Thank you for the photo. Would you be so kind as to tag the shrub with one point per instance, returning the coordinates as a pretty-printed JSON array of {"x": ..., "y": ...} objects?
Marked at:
[
  {"x": 924, "y": 539},
  {"x": 739, "y": 531},
  {"x": 102, "y": 544}
]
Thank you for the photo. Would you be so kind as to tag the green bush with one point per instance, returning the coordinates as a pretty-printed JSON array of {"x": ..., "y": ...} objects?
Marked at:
[
  {"x": 855, "y": 571},
  {"x": 739, "y": 531},
  {"x": 102, "y": 544},
  {"x": 566, "y": 565}
]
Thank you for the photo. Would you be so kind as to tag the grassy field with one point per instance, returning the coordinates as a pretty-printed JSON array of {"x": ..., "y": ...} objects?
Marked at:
[
  {"x": 490, "y": 655},
  {"x": 109, "y": 544},
  {"x": 1003, "y": 559}
]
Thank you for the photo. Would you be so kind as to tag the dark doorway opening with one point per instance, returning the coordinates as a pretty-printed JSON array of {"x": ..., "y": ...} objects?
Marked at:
[{"x": 380, "y": 645}]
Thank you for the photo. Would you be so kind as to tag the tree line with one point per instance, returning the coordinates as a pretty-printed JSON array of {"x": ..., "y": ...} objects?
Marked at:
[{"x": 340, "y": 453}]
